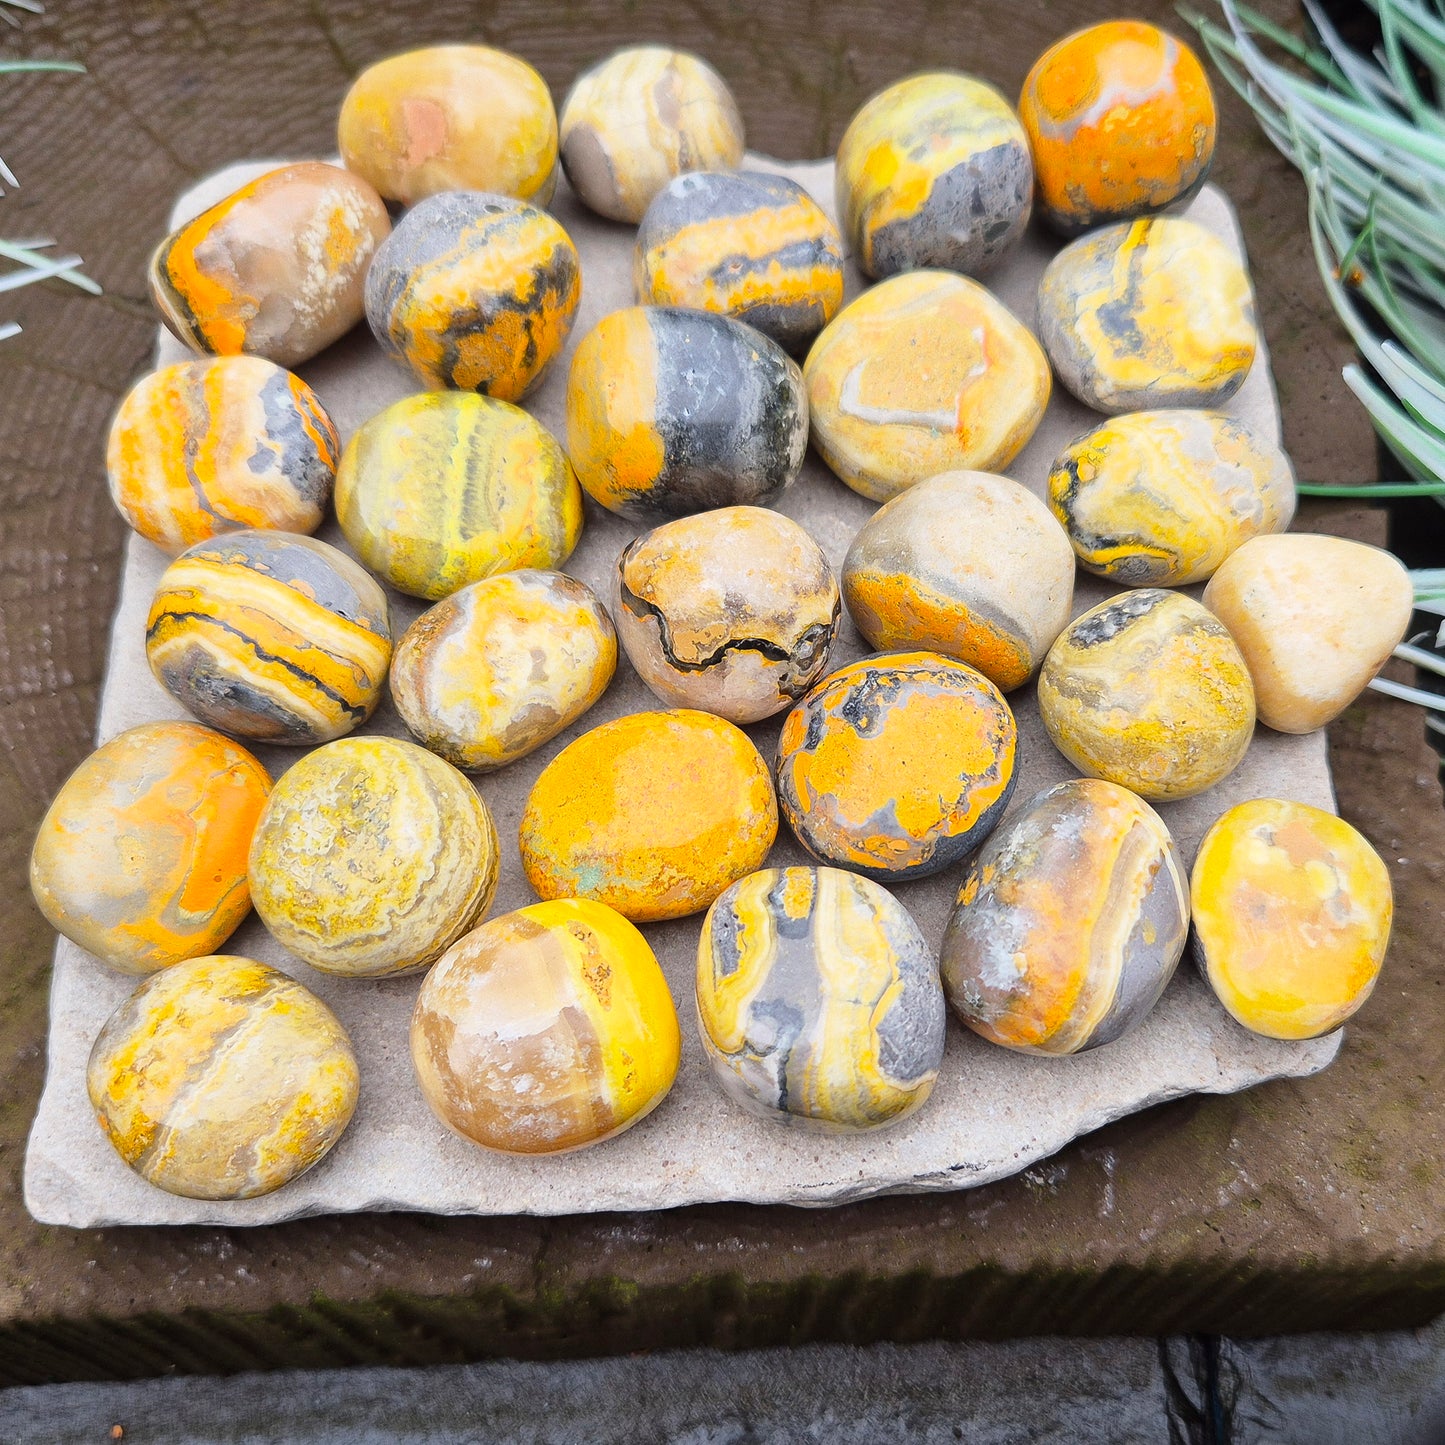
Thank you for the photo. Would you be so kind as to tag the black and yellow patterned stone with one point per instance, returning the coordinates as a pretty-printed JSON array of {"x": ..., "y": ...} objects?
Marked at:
[
  {"x": 474, "y": 291},
  {"x": 269, "y": 636},
  {"x": 445, "y": 488},
  {"x": 745, "y": 244},
  {"x": 672, "y": 411},
  {"x": 818, "y": 1001}
]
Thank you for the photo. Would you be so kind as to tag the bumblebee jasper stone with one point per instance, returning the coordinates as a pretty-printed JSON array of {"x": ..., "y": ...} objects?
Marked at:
[
  {"x": 451, "y": 118},
  {"x": 653, "y": 814},
  {"x": 934, "y": 171},
  {"x": 1148, "y": 690},
  {"x": 1148, "y": 313},
  {"x": 546, "y": 1029},
  {"x": 500, "y": 667},
  {"x": 754, "y": 246},
  {"x": 672, "y": 411},
  {"x": 1292, "y": 911},
  {"x": 443, "y": 489},
  {"x": 897, "y": 766},
  {"x": 1315, "y": 617},
  {"x": 372, "y": 858},
  {"x": 1121, "y": 120},
  {"x": 474, "y": 291},
  {"x": 204, "y": 447},
  {"x": 923, "y": 373},
  {"x": 141, "y": 858},
  {"x": 731, "y": 611},
  {"x": 1161, "y": 498},
  {"x": 274, "y": 270},
  {"x": 966, "y": 564},
  {"x": 1070, "y": 922},
  {"x": 637, "y": 119},
  {"x": 818, "y": 1001},
  {"x": 268, "y": 636},
  {"x": 222, "y": 1078}
]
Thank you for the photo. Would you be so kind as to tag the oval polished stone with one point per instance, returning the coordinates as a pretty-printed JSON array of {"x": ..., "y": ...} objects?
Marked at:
[
  {"x": 1146, "y": 314},
  {"x": 446, "y": 488},
  {"x": 474, "y": 291},
  {"x": 934, "y": 172},
  {"x": 222, "y": 1078},
  {"x": 1149, "y": 691},
  {"x": 1292, "y": 911},
  {"x": 502, "y": 666},
  {"x": 276, "y": 269},
  {"x": 1069, "y": 923},
  {"x": 818, "y": 1001},
  {"x": 546, "y": 1029},
  {"x": 731, "y": 611},
  {"x": 204, "y": 447},
  {"x": 653, "y": 814},
  {"x": 451, "y": 118},
  {"x": 1315, "y": 617},
  {"x": 1121, "y": 121},
  {"x": 897, "y": 766},
  {"x": 745, "y": 244},
  {"x": 141, "y": 858},
  {"x": 637, "y": 119},
  {"x": 672, "y": 411},
  {"x": 1161, "y": 498},
  {"x": 923, "y": 373},
  {"x": 269, "y": 636},
  {"x": 372, "y": 858},
  {"x": 967, "y": 564}
]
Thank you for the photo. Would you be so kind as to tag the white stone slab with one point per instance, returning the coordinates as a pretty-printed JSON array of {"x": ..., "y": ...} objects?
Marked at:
[{"x": 992, "y": 1113}]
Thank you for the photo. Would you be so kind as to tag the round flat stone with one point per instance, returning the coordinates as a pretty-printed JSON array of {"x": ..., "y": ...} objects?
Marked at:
[
  {"x": 1147, "y": 314},
  {"x": 1149, "y": 691},
  {"x": 731, "y": 611},
  {"x": 222, "y": 1078},
  {"x": 446, "y": 488},
  {"x": 500, "y": 667},
  {"x": 934, "y": 172},
  {"x": 967, "y": 564},
  {"x": 141, "y": 858},
  {"x": 1161, "y": 498},
  {"x": 1070, "y": 921},
  {"x": 818, "y": 1001},
  {"x": 897, "y": 766},
  {"x": 1292, "y": 911},
  {"x": 653, "y": 814},
  {"x": 546, "y": 1029},
  {"x": 923, "y": 373},
  {"x": 1315, "y": 617}
]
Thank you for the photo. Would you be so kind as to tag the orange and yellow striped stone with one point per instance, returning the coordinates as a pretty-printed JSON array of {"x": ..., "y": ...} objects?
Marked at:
[
  {"x": 502, "y": 666},
  {"x": 653, "y": 814},
  {"x": 546, "y": 1029},
  {"x": 204, "y": 447},
  {"x": 1292, "y": 911},
  {"x": 897, "y": 765},
  {"x": 141, "y": 858},
  {"x": 446, "y": 488},
  {"x": 923, "y": 373},
  {"x": 1121, "y": 121},
  {"x": 372, "y": 857},
  {"x": 276, "y": 269},
  {"x": 270, "y": 636},
  {"x": 222, "y": 1078},
  {"x": 818, "y": 1001},
  {"x": 1148, "y": 690},
  {"x": 637, "y": 119},
  {"x": 1070, "y": 922},
  {"x": 451, "y": 118}
]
